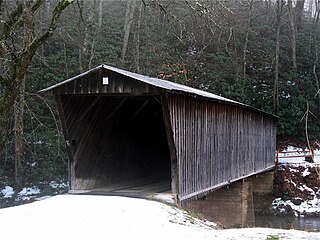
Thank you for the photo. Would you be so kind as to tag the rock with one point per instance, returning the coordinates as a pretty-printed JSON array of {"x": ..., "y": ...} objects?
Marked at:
[
  {"x": 297, "y": 201},
  {"x": 297, "y": 190}
]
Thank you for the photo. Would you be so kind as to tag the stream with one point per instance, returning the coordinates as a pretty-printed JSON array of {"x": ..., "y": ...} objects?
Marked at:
[{"x": 286, "y": 222}]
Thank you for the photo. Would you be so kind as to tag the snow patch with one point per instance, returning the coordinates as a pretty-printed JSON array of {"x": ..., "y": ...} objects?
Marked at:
[
  {"x": 306, "y": 172},
  {"x": 7, "y": 192},
  {"x": 55, "y": 185},
  {"x": 42, "y": 198},
  {"x": 296, "y": 155},
  {"x": 305, "y": 207},
  {"x": 298, "y": 191},
  {"x": 316, "y": 156},
  {"x": 29, "y": 191},
  {"x": 306, "y": 188},
  {"x": 168, "y": 198}
]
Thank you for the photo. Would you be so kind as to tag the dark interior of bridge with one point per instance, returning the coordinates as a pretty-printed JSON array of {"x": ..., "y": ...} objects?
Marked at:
[{"x": 120, "y": 141}]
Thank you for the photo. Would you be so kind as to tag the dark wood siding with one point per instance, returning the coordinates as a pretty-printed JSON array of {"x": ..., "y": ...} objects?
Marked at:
[
  {"x": 217, "y": 143},
  {"x": 91, "y": 83}
]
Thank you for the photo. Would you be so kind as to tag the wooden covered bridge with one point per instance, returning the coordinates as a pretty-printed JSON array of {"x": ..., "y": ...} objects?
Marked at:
[{"x": 122, "y": 129}]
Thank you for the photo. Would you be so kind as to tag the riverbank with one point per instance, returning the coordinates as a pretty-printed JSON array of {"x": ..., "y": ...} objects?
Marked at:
[
  {"x": 297, "y": 190},
  {"x": 297, "y": 185},
  {"x": 294, "y": 202}
]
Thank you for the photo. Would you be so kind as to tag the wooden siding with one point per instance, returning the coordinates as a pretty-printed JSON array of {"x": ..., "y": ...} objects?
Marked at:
[
  {"x": 91, "y": 84},
  {"x": 217, "y": 143}
]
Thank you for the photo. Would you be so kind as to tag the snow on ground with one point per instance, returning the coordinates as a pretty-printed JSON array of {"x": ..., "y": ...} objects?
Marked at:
[
  {"x": 305, "y": 207},
  {"x": 7, "y": 192},
  {"x": 167, "y": 198},
  {"x": 302, "y": 173},
  {"x": 317, "y": 156},
  {"x": 13, "y": 197},
  {"x": 58, "y": 185},
  {"x": 107, "y": 217},
  {"x": 297, "y": 156},
  {"x": 27, "y": 192}
]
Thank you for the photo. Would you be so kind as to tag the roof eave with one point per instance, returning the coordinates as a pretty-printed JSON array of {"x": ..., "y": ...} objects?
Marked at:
[
  {"x": 166, "y": 85},
  {"x": 49, "y": 89}
]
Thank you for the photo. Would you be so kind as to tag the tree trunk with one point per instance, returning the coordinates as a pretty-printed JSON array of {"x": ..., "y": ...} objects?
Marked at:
[
  {"x": 66, "y": 59},
  {"x": 13, "y": 80},
  {"x": 268, "y": 8},
  {"x": 100, "y": 13},
  {"x": 317, "y": 78},
  {"x": 18, "y": 133},
  {"x": 81, "y": 38},
  {"x": 88, "y": 41},
  {"x": 279, "y": 10},
  {"x": 131, "y": 5},
  {"x": 314, "y": 48},
  {"x": 2, "y": 47},
  {"x": 98, "y": 10},
  {"x": 138, "y": 38},
  {"x": 293, "y": 38},
  {"x": 315, "y": 21},
  {"x": 298, "y": 14},
  {"x": 245, "y": 48},
  {"x": 18, "y": 107},
  {"x": 276, "y": 79},
  {"x": 310, "y": 8}
]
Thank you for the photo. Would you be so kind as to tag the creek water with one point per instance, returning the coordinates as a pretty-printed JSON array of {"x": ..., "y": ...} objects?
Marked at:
[{"x": 285, "y": 222}]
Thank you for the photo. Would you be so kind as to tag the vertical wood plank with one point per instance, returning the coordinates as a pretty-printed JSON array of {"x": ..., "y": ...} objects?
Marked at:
[
  {"x": 165, "y": 102},
  {"x": 71, "y": 176},
  {"x": 217, "y": 142}
]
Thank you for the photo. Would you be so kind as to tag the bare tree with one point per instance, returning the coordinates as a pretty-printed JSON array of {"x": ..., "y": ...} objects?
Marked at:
[
  {"x": 246, "y": 41},
  {"x": 279, "y": 12},
  {"x": 268, "y": 7},
  {"x": 315, "y": 20},
  {"x": 298, "y": 11},
  {"x": 98, "y": 9},
  {"x": 137, "y": 58},
  {"x": 293, "y": 37},
  {"x": 19, "y": 50},
  {"x": 81, "y": 39},
  {"x": 314, "y": 48},
  {"x": 131, "y": 6},
  {"x": 89, "y": 25}
]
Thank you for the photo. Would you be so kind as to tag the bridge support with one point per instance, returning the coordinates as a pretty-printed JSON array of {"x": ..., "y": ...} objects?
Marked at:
[{"x": 233, "y": 205}]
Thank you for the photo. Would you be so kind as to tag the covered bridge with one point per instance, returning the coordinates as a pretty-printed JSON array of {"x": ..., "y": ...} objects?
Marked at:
[{"x": 121, "y": 127}]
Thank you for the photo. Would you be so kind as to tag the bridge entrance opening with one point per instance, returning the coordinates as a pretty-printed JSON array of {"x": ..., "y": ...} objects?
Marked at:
[{"x": 122, "y": 148}]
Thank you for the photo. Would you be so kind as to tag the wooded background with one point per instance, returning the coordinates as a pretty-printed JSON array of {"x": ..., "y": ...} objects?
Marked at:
[{"x": 264, "y": 53}]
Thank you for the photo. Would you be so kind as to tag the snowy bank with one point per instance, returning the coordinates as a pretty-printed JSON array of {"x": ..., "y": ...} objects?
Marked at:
[
  {"x": 294, "y": 155},
  {"x": 106, "y": 217},
  {"x": 12, "y": 197},
  {"x": 297, "y": 183},
  {"x": 297, "y": 189}
]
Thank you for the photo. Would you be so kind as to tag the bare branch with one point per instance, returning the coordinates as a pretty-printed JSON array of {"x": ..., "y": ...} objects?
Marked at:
[
  {"x": 53, "y": 25},
  {"x": 36, "y": 5},
  {"x": 13, "y": 18}
]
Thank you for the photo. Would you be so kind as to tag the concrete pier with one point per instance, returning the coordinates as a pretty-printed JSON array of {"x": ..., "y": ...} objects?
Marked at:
[{"x": 233, "y": 205}]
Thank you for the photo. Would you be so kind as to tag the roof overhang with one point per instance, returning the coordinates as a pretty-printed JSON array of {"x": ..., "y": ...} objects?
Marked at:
[{"x": 160, "y": 83}]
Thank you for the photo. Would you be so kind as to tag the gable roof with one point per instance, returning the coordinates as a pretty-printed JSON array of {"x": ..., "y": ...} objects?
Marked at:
[{"x": 156, "y": 82}]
